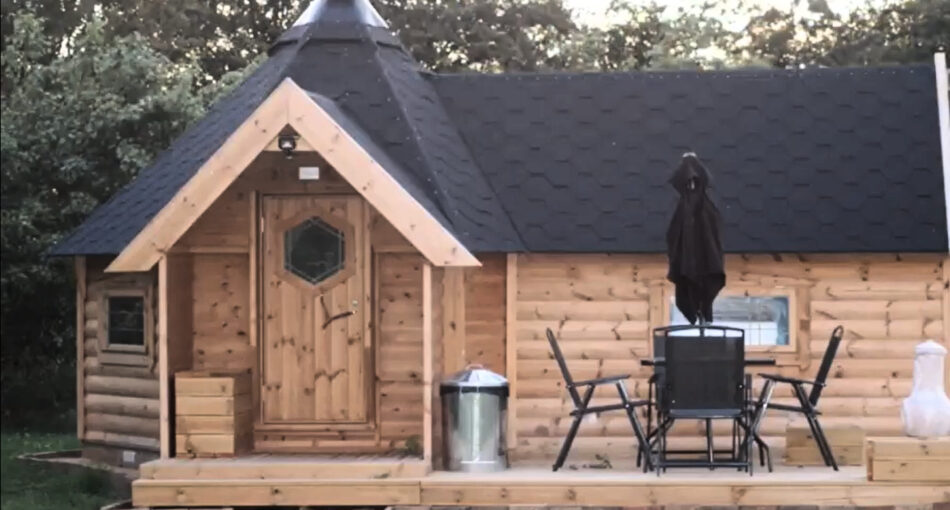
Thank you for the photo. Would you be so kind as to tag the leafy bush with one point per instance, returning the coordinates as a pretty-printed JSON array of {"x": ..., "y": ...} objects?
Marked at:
[{"x": 75, "y": 127}]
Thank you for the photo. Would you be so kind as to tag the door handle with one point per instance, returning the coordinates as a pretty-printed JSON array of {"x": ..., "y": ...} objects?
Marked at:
[
  {"x": 330, "y": 319},
  {"x": 338, "y": 316}
]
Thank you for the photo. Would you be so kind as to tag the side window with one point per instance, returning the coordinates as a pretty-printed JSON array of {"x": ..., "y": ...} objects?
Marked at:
[
  {"x": 764, "y": 316},
  {"x": 126, "y": 326},
  {"x": 125, "y": 323}
]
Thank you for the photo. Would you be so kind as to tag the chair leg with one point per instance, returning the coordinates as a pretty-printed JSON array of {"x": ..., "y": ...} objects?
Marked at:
[
  {"x": 764, "y": 448},
  {"x": 635, "y": 423},
  {"x": 750, "y": 451},
  {"x": 820, "y": 437},
  {"x": 763, "y": 404},
  {"x": 709, "y": 443},
  {"x": 826, "y": 453},
  {"x": 657, "y": 443},
  {"x": 568, "y": 441},
  {"x": 581, "y": 411},
  {"x": 735, "y": 442}
]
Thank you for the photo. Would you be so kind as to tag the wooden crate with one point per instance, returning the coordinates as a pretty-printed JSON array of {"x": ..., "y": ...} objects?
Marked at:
[
  {"x": 847, "y": 445},
  {"x": 212, "y": 414},
  {"x": 909, "y": 459}
]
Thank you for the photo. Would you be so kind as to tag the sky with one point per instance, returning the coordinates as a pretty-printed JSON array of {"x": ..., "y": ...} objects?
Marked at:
[{"x": 592, "y": 11}]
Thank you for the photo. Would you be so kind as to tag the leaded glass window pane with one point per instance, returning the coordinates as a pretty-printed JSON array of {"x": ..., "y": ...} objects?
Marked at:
[{"x": 314, "y": 250}]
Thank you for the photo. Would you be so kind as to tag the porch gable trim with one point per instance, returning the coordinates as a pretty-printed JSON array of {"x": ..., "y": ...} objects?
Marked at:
[{"x": 318, "y": 128}]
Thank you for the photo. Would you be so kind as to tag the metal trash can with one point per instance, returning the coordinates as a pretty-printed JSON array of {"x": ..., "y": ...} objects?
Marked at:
[{"x": 474, "y": 417}]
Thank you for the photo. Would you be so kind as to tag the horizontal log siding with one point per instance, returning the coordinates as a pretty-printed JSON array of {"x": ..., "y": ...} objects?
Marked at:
[
  {"x": 399, "y": 354},
  {"x": 600, "y": 307},
  {"x": 120, "y": 402},
  {"x": 485, "y": 313}
]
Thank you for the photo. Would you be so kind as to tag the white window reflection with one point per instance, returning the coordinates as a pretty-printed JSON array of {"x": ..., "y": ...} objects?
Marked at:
[{"x": 763, "y": 318}]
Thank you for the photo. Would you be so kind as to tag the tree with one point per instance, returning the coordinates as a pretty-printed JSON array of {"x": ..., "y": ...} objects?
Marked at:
[
  {"x": 895, "y": 33},
  {"x": 74, "y": 129},
  {"x": 488, "y": 36},
  {"x": 219, "y": 37}
]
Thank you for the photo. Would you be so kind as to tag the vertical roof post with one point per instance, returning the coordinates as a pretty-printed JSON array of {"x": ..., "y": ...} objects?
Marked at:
[{"x": 943, "y": 111}]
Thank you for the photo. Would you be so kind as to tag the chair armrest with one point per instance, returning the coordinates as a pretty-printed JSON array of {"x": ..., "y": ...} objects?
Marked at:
[
  {"x": 603, "y": 380},
  {"x": 639, "y": 403},
  {"x": 790, "y": 380}
]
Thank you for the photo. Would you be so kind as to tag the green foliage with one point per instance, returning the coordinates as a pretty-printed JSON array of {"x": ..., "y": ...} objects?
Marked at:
[
  {"x": 487, "y": 36},
  {"x": 74, "y": 129},
  {"x": 893, "y": 33},
  {"x": 28, "y": 486},
  {"x": 649, "y": 36},
  {"x": 215, "y": 37}
]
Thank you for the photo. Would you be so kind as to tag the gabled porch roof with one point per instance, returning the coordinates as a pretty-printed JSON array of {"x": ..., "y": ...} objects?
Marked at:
[{"x": 326, "y": 129}]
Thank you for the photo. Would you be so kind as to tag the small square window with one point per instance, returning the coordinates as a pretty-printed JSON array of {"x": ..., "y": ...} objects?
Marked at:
[
  {"x": 126, "y": 326},
  {"x": 764, "y": 318},
  {"x": 126, "y": 322}
]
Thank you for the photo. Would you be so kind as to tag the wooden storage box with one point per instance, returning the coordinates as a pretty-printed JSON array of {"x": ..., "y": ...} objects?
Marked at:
[
  {"x": 212, "y": 414},
  {"x": 909, "y": 459},
  {"x": 847, "y": 444}
]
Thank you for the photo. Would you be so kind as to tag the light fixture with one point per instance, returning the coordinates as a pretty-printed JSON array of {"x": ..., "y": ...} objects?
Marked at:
[{"x": 287, "y": 144}]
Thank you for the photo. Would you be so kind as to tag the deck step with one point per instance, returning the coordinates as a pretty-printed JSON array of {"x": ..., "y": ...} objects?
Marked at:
[
  {"x": 275, "y": 467},
  {"x": 274, "y": 492}
]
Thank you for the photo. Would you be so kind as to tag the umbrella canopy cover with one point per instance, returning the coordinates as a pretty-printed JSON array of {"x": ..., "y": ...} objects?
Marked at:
[{"x": 694, "y": 243}]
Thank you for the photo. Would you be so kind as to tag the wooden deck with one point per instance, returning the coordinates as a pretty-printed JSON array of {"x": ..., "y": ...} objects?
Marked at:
[{"x": 292, "y": 481}]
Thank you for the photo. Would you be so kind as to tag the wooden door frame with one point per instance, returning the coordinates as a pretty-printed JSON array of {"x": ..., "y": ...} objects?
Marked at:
[{"x": 366, "y": 265}]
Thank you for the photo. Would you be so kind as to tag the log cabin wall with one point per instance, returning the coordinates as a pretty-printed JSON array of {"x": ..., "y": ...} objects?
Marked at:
[
  {"x": 485, "y": 312},
  {"x": 118, "y": 408},
  {"x": 604, "y": 306}
]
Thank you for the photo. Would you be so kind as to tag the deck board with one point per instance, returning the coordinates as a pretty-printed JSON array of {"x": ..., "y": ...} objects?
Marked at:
[{"x": 232, "y": 482}]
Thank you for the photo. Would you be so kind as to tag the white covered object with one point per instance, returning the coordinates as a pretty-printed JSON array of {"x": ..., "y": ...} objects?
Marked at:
[{"x": 926, "y": 412}]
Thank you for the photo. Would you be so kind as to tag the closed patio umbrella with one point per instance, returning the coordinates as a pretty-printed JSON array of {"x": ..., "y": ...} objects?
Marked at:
[{"x": 694, "y": 244}]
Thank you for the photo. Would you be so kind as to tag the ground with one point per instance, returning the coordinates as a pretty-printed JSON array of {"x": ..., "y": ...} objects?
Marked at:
[{"x": 26, "y": 486}]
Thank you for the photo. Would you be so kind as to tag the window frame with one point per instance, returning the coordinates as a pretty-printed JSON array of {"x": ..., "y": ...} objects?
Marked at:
[
  {"x": 349, "y": 254},
  {"x": 126, "y": 354},
  {"x": 792, "y": 348}
]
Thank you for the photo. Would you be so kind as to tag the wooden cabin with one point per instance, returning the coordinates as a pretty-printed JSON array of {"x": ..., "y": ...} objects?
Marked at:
[{"x": 265, "y": 313}]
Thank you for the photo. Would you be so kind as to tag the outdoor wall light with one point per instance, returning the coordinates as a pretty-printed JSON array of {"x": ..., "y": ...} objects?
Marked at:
[{"x": 287, "y": 144}]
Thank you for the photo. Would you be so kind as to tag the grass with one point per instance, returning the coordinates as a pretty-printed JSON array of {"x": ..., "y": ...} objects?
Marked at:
[{"x": 27, "y": 486}]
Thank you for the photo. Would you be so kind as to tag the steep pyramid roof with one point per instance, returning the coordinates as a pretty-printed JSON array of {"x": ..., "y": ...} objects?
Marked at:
[{"x": 341, "y": 50}]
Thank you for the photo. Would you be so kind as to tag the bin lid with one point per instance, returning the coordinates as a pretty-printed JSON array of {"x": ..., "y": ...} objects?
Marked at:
[{"x": 475, "y": 376}]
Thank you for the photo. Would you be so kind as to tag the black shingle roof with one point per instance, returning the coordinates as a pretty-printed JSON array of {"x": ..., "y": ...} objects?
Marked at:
[
  {"x": 367, "y": 76},
  {"x": 803, "y": 161},
  {"x": 823, "y": 160}
]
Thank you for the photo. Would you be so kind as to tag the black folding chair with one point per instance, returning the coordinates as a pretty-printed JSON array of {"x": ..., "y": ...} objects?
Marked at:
[
  {"x": 657, "y": 382},
  {"x": 705, "y": 380},
  {"x": 583, "y": 408},
  {"x": 808, "y": 402}
]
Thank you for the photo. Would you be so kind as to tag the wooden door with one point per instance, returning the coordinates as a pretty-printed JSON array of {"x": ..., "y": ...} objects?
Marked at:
[{"x": 315, "y": 347}]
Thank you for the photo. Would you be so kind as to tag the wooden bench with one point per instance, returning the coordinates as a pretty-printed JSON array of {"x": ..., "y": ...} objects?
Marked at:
[
  {"x": 909, "y": 459},
  {"x": 212, "y": 414},
  {"x": 847, "y": 444}
]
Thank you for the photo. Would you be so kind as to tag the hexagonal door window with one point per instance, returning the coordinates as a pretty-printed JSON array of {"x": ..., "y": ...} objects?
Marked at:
[{"x": 314, "y": 250}]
